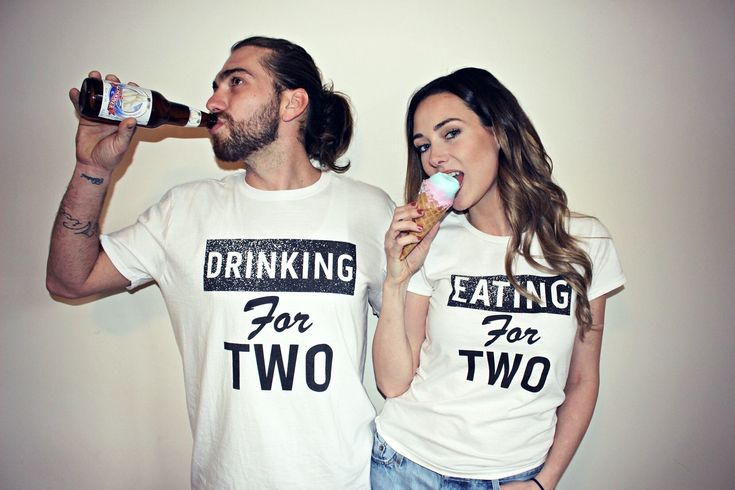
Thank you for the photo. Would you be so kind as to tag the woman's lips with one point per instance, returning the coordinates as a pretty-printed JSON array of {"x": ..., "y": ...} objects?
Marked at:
[{"x": 459, "y": 178}]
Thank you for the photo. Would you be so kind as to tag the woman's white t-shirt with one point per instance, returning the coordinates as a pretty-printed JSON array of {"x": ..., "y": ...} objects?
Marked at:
[{"x": 494, "y": 365}]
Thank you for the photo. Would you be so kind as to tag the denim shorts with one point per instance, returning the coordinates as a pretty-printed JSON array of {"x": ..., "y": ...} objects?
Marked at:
[{"x": 390, "y": 470}]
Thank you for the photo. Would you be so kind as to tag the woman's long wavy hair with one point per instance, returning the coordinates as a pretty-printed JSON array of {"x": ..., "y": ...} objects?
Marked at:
[{"x": 535, "y": 206}]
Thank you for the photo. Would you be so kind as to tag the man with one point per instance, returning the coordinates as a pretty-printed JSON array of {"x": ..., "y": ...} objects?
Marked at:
[{"x": 266, "y": 275}]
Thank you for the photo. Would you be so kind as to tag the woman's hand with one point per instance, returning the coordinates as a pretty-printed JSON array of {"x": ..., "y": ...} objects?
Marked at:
[{"x": 398, "y": 236}]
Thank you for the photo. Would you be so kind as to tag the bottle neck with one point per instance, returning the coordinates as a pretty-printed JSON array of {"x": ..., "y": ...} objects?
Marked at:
[{"x": 196, "y": 118}]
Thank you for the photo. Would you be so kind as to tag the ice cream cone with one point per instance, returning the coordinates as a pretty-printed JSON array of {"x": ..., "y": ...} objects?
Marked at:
[
  {"x": 433, "y": 213},
  {"x": 434, "y": 200}
]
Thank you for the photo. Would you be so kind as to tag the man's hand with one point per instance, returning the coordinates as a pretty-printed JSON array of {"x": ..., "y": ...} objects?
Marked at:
[{"x": 101, "y": 145}]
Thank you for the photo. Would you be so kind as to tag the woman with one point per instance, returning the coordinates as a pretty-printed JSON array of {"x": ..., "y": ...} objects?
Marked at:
[{"x": 488, "y": 343}]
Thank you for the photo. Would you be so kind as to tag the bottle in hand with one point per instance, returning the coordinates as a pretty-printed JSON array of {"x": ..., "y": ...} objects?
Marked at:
[{"x": 103, "y": 100}]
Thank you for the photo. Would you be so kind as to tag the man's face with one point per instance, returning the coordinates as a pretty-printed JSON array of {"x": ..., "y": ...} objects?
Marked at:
[{"x": 247, "y": 106}]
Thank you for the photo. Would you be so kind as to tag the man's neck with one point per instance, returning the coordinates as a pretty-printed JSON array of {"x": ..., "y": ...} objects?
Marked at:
[{"x": 278, "y": 168}]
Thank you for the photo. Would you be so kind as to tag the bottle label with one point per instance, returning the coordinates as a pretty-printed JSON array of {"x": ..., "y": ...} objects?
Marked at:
[
  {"x": 120, "y": 100},
  {"x": 195, "y": 117}
]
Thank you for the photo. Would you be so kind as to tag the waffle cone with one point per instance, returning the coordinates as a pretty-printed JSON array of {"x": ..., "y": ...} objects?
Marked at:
[{"x": 433, "y": 213}]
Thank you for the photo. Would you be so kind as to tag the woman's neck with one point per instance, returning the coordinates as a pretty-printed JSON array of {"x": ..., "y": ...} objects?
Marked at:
[{"x": 488, "y": 216}]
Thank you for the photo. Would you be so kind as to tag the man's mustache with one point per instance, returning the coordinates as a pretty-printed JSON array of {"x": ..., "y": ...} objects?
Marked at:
[{"x": 223, "y": 116}]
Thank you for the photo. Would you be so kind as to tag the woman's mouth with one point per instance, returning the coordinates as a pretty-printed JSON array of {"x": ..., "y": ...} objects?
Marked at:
[{"x": 457, "y": 175}]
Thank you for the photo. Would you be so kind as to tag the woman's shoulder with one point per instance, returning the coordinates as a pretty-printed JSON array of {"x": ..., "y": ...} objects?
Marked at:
[{"x": 583, "y": 227}]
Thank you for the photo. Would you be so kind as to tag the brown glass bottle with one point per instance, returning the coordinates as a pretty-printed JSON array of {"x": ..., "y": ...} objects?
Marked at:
[{"x": 107, "y": 101}]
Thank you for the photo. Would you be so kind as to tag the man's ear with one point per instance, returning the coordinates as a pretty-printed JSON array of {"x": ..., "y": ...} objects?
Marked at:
[{"x": 295, "y": 102}]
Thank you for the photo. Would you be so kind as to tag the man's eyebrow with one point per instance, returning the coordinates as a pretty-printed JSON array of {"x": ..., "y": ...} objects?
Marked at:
[
  {"x": 225, "y": 74},
  {"x": 437, "y": 126}
]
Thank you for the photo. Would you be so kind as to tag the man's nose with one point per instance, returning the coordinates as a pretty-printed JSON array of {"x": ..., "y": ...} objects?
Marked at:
[{"x": 216, "y": 102}]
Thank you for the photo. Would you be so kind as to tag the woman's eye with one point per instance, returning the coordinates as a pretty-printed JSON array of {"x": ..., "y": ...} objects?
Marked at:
[
  {"x": 421, "y": 148},
  {"x": 452, "y": 134}
]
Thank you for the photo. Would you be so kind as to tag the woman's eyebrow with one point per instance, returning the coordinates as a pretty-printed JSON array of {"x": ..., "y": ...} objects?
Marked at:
[{"x": 438, "y": 126}]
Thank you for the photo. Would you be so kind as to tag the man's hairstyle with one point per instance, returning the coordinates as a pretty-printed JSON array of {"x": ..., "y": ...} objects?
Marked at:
[{"x": 326, "y": 131}]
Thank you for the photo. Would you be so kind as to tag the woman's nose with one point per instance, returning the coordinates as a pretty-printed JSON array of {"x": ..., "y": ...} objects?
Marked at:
[{"x": 437, "y": 156}]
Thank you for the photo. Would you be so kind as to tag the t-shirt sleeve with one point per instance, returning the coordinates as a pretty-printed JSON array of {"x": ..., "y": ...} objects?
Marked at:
[
  {"x": 138, "y": 251},
  {"x": 419, "y": 283},
  {"x": 607, "y": 272},
  {"x": 375, "y": 289}
]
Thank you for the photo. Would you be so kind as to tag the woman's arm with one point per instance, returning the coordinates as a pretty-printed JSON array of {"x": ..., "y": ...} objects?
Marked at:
[
  {"x": 398, "y": 337},
  {"x": 574, "y": 415},
  {"x": 402, "y": 323}
]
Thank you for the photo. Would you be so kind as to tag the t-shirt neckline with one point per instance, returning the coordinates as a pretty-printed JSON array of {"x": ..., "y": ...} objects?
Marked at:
[
  {"x": 285, "y": 195},
  {"x": 462, "y": 218}
]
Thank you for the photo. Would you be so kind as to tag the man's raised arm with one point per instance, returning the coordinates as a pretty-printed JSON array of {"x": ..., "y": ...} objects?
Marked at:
[{"x": 77, "y": 266}]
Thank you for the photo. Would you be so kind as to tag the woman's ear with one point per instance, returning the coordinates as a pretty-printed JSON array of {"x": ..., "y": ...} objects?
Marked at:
[{"x": 295, "y": 102}]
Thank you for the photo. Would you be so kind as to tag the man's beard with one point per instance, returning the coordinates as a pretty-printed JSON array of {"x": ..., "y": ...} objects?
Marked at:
[{"x": 248, "y": 137}]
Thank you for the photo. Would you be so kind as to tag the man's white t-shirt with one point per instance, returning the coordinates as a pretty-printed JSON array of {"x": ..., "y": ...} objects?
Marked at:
[
  {"x": 268, "y": 294},
  {"x": 494, "y": 365}
]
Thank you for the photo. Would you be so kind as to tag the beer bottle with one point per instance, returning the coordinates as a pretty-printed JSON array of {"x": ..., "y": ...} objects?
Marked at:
[{"x": 103, "y": 100}]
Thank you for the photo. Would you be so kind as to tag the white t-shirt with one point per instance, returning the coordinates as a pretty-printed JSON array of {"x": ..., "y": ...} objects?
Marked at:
[
  {"x": 494, "y": 365},
  {"x": 267, "y": 293}
]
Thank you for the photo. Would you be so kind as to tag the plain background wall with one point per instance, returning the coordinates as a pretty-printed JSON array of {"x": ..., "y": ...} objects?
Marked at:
[{"x": 634, "y": 101}]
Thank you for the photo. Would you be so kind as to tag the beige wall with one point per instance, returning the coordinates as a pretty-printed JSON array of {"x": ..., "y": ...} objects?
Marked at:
[{"x": 634, "y": 101}]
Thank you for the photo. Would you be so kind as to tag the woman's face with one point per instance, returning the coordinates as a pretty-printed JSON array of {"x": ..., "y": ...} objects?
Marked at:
[{"x": 450, "y": 138}]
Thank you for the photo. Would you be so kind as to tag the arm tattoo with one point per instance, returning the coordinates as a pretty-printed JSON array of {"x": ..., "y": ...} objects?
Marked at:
[
  {"x": 88, "y": 229},
  {"x": 93, "y": 180}
]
